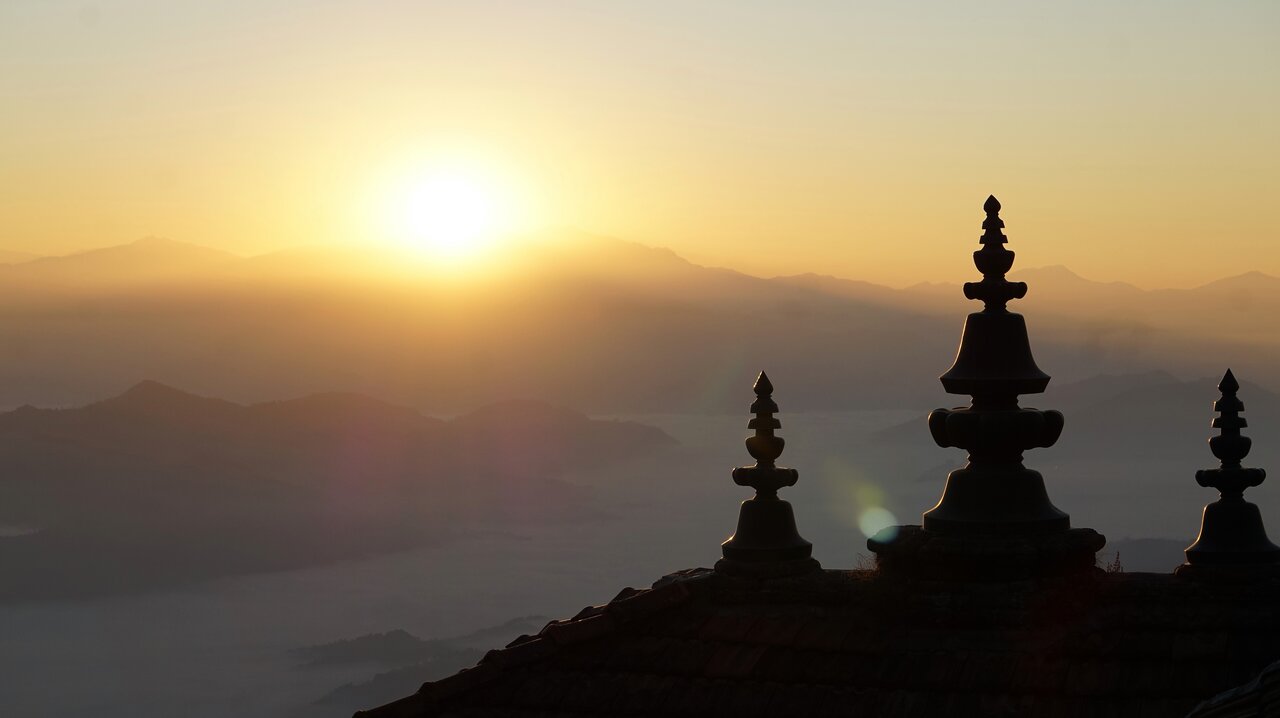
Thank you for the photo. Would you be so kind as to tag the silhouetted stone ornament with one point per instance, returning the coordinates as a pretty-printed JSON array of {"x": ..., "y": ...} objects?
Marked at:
[
  {"x": 994, "y": 493},
  {"x": 1231, "y": 532},
  {"x": 766, "y": 543},
  {"x": 995, "y": 518}
]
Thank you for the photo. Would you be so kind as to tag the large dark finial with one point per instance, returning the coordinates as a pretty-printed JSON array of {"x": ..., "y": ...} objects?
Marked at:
[
  {"x": 993, "y": 260},
  {"x": 1231, "y": 530},
  {"x": 994, "y": 492},
  {"x": 995, "y": 520},
  {"x": 766, "y": 542}
]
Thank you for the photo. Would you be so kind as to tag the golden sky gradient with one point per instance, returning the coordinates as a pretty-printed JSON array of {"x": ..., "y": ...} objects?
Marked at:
[{"x": 1129, "y": 141}]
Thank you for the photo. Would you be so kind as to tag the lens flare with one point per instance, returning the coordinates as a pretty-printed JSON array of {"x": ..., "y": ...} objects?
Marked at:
[{"x": 876, "y": 519}]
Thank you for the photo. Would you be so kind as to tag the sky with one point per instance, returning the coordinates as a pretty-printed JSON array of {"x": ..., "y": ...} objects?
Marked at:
[{"x": 1128, "y": 141}]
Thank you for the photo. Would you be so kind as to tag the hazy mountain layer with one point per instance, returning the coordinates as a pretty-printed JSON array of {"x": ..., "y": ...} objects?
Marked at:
[
  {"x": 157, "y": 486},
  {"x": 600, "y": 325}
]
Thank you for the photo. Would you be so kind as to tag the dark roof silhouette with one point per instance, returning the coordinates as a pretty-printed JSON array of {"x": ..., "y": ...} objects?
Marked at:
[
  {"x": 861, "y": 644},
  {"x": 994, "y": 606},
  {"x": 1258, "y": 698}
]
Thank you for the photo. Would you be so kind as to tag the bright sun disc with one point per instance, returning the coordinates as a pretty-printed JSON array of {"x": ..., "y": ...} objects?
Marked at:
[{"x": 451, "y": 216}]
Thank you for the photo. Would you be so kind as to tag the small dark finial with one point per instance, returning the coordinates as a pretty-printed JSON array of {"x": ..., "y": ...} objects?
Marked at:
[
  {"x": 1231, "y": 530},
  {"x": 1229, "y": 446},
  {"x": 992, "y": 225},
  {"x": 993, "y": 260},
  {"x": 764, "y": 447},
  {"x": 766, "y": 542}
]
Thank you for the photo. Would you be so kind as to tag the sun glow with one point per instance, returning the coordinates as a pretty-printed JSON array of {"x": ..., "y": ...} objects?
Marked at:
[{"x": 449, "y": 213}]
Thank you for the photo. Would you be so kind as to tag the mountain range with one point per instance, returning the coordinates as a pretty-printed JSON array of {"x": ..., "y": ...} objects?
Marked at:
[
  {"x": 405, "y": 661},
  {"x": 597, "y": 324}
]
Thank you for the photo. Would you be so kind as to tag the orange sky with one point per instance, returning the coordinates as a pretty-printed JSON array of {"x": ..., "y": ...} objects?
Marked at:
[{"x": 1131, "y": 141}]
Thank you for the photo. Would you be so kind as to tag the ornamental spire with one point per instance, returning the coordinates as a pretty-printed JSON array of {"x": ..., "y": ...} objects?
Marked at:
[
  {"x": 764, "y": 447},
  {"x": 993, "y": 260},
  {"x": 994, "y": 492},
  {"x": 766, "y": 543},
  {"x": 994, "y": 362},
  {"x": 1231, "y": 530},
  {"x": 995, "y": 519}
]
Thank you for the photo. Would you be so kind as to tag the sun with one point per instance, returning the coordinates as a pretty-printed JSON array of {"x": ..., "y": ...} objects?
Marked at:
[{"x": 451, "y": 215}]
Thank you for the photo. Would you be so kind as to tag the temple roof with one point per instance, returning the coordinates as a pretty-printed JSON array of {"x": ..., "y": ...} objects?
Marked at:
[{"x": 857, "y": 643}]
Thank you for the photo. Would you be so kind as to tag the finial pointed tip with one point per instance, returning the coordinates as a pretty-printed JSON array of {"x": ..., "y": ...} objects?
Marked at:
[
  {"x": 992, "y": 205},
  {"x": 763, "y": 387},
  {"x": 1228, "y": 384}
]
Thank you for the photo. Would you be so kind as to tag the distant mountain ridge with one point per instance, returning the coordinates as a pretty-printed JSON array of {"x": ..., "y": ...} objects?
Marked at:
[
  {"x": 601, "y": 324},
  {"x": 157, "y": 486},
  {"x": 164, "y": 253},
  {"x": 411, "y": 660}
]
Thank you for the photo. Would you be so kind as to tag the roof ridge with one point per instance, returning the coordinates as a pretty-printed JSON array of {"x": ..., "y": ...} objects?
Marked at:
[{"x": 591, "y": 623}]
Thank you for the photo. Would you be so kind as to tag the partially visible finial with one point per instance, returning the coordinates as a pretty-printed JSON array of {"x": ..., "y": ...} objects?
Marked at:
[{"x": 766, "y": 542}]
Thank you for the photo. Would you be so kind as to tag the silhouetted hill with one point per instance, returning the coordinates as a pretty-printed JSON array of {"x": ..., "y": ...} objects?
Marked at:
[
  {"x": 414, "y": 660},
  {"x": 157, "y": 486},
  {"x": 147, "y": 260},
  {"x": 12, "y": 257},
  {"x": 1254, "y": 281},
  {"x": 1058, "y": 278},
  {"x": 398, "y": 647},
  {"x": 403, "y": 648}
]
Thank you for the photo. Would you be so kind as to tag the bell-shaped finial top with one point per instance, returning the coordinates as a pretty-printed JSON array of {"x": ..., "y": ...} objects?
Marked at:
[{"x": 993, "y": 260}]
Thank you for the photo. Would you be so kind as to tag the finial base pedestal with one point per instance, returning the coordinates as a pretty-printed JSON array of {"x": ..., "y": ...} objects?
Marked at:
[
  {"x": 994, "y": 357},
  {"x": 914, "y": 552},
  {"x": 766, "y": 533},
  {"x": 1004, "y": 502},
  {"x": 766, "y": 544},
  {"x": 1232, "y": 534}
]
